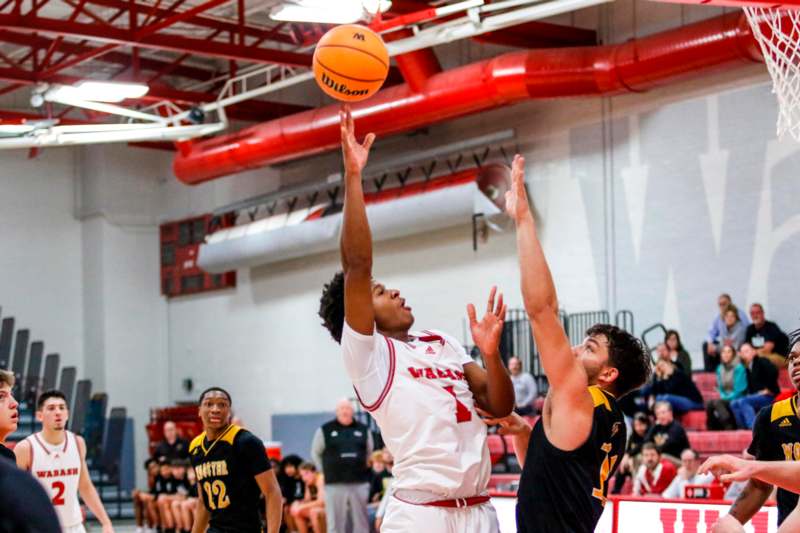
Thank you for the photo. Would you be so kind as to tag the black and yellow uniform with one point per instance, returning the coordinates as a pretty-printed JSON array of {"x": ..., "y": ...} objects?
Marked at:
[
  {"x": 564, "y": 492},
  {"x": 226, "y": 468},
  {"x": 776, "y": 437}
]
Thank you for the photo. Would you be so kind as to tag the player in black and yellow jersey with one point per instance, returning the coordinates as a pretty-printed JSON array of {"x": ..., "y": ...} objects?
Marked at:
[
  {"x": 776, "y": 437},
  {"x": 232, "y": 471},
  {"x": 576, "y": 445}
]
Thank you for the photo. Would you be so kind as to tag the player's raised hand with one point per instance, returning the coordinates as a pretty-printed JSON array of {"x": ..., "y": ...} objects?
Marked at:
[
  {"x": 728, "y": 468},
  {"x": 355, "y": 154},
  {"x": 512, "y": 424},
  {"x": 517, "y": 205},
  {"x": 486, "y": 333}
]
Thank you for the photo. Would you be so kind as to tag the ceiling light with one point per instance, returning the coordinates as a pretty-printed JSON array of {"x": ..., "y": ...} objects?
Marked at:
[
  {"x": 97, "y": 91},
  {"x": 328, "y": 11}
]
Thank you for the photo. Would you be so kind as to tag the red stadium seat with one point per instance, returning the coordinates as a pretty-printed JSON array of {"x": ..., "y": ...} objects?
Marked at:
[
  {"x": 694, "y": 420},
  {"x": 707, "y": 385},
  {"x": 715, "y": 442}
]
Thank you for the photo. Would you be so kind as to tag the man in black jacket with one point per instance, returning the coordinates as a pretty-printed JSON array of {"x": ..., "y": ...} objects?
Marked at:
[
  {"x": 762, "y": 386},
  {"x": 340, "y": 449},
  {"x": 766, "y": 337},
  {"x": 667, "y": 434}
]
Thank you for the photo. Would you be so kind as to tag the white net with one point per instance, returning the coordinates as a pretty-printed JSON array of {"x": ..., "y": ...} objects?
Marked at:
[{"x": 778, "y": 34}]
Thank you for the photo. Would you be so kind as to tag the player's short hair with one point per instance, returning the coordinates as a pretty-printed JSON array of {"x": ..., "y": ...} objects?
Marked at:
[
  {"x": 628, "y": 355},
  {"x": 47, "y": 395},
  {"x": 308, "y": 466},
  {"x": 216, "y": 389},
  {"x": 331, "y": 306},
  {"x": 650, "y": 446},
  {"x": 7, "y": 378}
]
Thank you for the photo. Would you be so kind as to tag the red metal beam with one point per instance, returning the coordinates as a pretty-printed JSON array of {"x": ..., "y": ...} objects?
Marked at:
[
  {"x": 201, "y": 20},
  {"x": 174, "y": 43},
  {"x": 179, "y": 17},
  {"x": 118, "y": 58}
]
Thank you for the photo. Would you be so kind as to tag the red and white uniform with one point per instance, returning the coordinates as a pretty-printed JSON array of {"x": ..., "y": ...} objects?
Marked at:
[
  {"x": 417, "y": 393},
  {"x": 58, "y": 469}
]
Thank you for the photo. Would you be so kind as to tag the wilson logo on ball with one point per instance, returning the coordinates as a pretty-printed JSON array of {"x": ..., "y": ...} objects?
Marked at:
[{"x": 341, "y": 87}]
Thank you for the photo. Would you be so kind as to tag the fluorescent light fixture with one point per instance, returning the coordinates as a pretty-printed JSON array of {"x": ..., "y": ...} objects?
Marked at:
[
  {"x": 328, "y": 11},
  {"x": 97, "y": 91}
]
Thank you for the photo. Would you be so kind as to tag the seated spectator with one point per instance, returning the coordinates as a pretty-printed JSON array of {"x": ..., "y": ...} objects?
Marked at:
[
  {"x": 382, "y": 464},
  {"x": 292, "y": 486},
  {"x": 711, "y": 346},
  {"x": 177, "y": 491},
  {"x": 673, "y": 386},
  {"x": 629, "y": 464},
  {"x": 732, "y": 385},
  {"x": 184, "y": 509},
  {"x": 733, "y": 329},
  {"x": 309, "y": 513},
  {"x": 163, "y": 485},
  {"x": 141, "y": 499},
  {"x": 655, "y": 474},
  {"x": 677, "y": 353},
  {"x": 172, "y": 447},
  {"x": 766, "y": 337},
  {"x": 667, "y": 434},
  {"x": 525, "y": 389},
  {"x": 762, "y": 387},
  {"x": 687, "y": 475}
]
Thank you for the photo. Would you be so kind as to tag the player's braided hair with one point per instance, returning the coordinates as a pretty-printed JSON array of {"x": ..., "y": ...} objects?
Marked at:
[
  {"x": 628, "y": 355},
  {"x": 794, "y": 338},
  {"x": 331, "y": 306}
]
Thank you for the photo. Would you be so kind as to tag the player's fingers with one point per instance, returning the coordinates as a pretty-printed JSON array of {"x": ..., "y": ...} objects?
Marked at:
[
  {"x": 368, "y": 141},
  {"x": 490, "y": 305},
  {"x": 729, "y": 478},
  {"x": 350, "y": 123},
  {"x": 503, "y": 313},
  {"x": 471, "y": 314},
  {"x": 499, "y": 307}
]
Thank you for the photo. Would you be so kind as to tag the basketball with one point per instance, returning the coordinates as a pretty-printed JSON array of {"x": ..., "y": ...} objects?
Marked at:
[{"x": 351, "y": 63}]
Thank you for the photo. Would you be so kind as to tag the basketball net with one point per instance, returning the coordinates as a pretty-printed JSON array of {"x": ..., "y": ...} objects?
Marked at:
[{"x": 778, "y": 34}]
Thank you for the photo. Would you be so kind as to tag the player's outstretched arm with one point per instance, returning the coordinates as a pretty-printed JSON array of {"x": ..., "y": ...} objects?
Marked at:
[
  {"x": 356, "y": 244},
  {"x": 730, "y": 468},
  {"x": 749, "y": 501},
  {"x": 491, "y": 387},
  {"x": 201, "y": 516},
  {"x": 567, "y": 378},
  {"x": 89, "y": 493},
  {"x": 268, "y": 484}
]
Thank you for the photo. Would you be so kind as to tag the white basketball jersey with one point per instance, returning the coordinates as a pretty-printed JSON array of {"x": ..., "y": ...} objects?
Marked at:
[
  {"x": 428, "y": 421},
  {"x": 58, "y": 469}
]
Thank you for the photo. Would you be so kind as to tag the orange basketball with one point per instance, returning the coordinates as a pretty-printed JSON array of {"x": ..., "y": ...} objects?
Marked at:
[{"x": 351, "y": 62}]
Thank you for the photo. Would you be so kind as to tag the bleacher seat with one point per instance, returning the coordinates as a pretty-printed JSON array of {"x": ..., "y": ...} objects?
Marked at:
[
  {"x": 693, "y": 420},
  {"x": 707, "y": 385},
  {"x": 709, "y": 443}
]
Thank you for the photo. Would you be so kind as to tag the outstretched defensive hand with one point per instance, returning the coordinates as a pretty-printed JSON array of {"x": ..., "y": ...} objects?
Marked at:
[
  {"x": 355, "y": 154},
  {"x": 517, "y": 205},
  {"x": 486, "y": 333},
  {"x": 512, "y": 424},
  {"x": 728, "y": 468}
]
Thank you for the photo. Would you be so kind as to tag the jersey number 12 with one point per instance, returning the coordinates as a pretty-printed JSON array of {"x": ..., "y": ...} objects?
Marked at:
[{"x": 217, "y": 495}]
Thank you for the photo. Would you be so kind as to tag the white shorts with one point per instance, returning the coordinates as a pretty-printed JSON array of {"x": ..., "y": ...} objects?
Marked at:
[
  {"x": 74, "y": 529},
  {"x": 404, "y": 517}
]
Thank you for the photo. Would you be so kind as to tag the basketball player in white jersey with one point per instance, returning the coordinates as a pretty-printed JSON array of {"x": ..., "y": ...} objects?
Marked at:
[
  {"x": 420, "y": 387},
  {"x": 57, "y": 458}
]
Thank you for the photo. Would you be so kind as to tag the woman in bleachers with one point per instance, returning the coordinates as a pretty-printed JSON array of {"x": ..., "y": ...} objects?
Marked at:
[
  {"x": 732, "y": 384},
  {"x": 733, "y": 331},
  {"x": 309, "y": 513},
  {"x": 674, "y": 387},
  {"x": 632, "y": 459},
  {"x": 677, "y": 353}
]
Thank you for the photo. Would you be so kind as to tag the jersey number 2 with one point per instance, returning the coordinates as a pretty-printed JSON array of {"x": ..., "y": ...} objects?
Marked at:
[
  {"x": 216, "y": 489},
  {"x": 58, "y": 499},
  {"x": 462, "y": 411}
]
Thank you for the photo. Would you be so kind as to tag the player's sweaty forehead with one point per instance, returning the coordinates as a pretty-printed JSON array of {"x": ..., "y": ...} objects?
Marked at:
[{"x": 216, "y": 398}]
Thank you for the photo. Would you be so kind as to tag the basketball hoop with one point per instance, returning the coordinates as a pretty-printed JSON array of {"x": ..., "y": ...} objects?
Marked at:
[{"x": 778, "y": 34}]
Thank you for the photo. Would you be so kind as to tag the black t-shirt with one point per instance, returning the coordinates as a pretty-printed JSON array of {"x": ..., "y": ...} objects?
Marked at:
[
  {"x": 670, "y": 439},
  {"x": 769, "y": 332},
  {"x": 8, "y": 454},
  {"x": 177, "y": 450},
  {"x": 226, "y": 470},
  {"x": 565, "y": 492},
  {"x": 376, "y": 484},
  {"x": 24, "y": 505},
  {"x": 776, "y": 437},
  {"x": 162, "y": 485},
  {"x": 292, "y": 488}
]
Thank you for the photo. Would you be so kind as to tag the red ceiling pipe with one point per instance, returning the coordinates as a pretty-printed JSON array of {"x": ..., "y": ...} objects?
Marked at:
[
  {"x": 507, "y": 79},
  {"x": 416, "y": 67}
]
